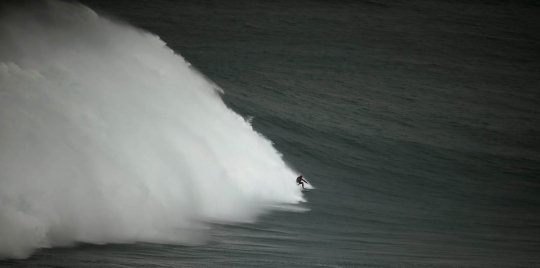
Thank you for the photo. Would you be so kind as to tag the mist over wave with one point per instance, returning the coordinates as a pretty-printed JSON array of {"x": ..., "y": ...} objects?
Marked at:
[{"x": 108, "y": 136}]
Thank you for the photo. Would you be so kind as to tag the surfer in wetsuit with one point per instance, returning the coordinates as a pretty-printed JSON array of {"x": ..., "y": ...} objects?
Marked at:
[{"x": 300, "y": 180}]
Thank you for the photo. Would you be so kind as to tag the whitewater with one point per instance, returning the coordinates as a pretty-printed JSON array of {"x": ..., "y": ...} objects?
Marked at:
[{"x": 109, "y": 136}]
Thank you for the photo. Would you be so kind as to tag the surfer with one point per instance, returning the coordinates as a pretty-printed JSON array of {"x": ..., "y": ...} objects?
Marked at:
[{"x": 300, "y": 180}]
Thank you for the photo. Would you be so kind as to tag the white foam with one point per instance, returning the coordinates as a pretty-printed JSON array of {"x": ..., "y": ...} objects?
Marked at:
[{"x": 107, "y": 135}]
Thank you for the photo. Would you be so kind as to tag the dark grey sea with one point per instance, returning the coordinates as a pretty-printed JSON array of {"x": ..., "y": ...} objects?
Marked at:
[{"x": 416, "y": 122}]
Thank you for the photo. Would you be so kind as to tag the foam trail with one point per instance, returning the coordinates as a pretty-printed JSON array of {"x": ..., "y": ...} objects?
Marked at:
[{"x": 108, "y": 136}]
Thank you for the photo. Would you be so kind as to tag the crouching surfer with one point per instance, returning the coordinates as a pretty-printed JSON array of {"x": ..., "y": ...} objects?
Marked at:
[{"x": 300, "y": 180}]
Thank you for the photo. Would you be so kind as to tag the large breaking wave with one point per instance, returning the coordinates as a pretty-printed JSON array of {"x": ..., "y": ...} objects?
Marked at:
[{"x": 108, "y": 136}]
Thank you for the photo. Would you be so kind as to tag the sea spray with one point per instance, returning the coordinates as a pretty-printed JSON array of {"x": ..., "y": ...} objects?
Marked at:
[{"x": 108, "y": 136}]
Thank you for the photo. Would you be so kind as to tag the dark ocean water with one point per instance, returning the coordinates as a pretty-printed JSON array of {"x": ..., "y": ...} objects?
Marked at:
[{"x": 416, "y": 121}]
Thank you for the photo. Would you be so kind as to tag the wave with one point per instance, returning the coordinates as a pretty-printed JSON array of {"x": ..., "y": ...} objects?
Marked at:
[{"x": 108, "y": 136}]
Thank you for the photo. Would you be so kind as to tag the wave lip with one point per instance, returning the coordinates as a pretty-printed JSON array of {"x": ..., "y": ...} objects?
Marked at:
[{"x": 108, "y": 136}]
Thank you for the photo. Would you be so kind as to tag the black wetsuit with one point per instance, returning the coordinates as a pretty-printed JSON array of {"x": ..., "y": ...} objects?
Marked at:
[{"x": 299, "y": 180}]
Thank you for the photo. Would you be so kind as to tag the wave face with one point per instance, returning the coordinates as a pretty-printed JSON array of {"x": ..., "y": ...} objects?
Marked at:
[{"x": 108, "y": 136}]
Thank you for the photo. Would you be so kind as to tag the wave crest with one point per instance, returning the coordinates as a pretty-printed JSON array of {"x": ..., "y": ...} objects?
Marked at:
[{"x": 108, "y": 136}]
